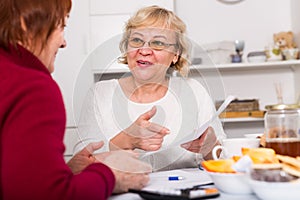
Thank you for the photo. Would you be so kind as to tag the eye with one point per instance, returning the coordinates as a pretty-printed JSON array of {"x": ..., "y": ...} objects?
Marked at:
[
  {"x": 136, "y": 42},
  {"x": 157, "y": 43}
]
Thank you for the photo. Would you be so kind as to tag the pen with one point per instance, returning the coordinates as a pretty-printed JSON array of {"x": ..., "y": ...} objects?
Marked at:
[{"x": 175, "y": 178}]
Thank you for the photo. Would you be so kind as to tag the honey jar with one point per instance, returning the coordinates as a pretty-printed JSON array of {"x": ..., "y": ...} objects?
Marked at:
[{"x": 282, "y": 128}]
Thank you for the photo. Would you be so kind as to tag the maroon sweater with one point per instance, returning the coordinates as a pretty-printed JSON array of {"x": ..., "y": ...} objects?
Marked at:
[{"x": 32, "y": 126}]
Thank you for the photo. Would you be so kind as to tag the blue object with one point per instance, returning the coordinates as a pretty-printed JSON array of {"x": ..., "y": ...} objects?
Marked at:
[
  {"x": 175, "y": 178},
  {"x": 236, "y": 58}
]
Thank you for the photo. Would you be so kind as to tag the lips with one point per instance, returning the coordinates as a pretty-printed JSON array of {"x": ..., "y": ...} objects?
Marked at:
[{"x": 143, "y": 63}]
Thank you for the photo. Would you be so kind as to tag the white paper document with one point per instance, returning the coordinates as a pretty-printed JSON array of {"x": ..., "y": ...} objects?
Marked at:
[
  {"x": 197, "y": 133},
  {"x": 159, "y": 181},
  {"x": 190, "y": 178}
]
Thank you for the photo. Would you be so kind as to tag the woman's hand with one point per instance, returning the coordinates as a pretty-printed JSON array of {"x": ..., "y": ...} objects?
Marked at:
[
  {"x": 126, "y": 180},
  {"x": 204, "y": 144},
  {"x": 128, "y": 170},
  {"x": 84, "y": 158},
  {"x": 142, "y": 134}
]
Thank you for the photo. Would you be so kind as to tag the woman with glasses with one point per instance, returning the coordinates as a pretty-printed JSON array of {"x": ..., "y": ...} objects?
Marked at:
[{"x": 148, "y": 109}]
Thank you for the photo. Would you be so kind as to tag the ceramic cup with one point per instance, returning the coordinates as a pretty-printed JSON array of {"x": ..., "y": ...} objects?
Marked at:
[{"x": 233, "y": 146}]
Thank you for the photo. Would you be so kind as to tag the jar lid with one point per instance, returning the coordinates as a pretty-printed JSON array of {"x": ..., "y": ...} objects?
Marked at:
[{"x": 283, "y": 107}]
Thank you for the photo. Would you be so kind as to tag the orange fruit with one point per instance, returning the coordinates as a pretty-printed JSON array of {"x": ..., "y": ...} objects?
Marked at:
[
  {"x": 236, "y": 158},
  {"x": 222, "y": 165}
]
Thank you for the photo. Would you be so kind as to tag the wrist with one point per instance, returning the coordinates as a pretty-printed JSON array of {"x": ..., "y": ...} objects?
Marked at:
[{"x": 121, "y": 141}]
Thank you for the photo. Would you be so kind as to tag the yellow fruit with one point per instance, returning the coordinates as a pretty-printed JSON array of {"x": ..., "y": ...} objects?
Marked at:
[{"x": 261, "y": 155}]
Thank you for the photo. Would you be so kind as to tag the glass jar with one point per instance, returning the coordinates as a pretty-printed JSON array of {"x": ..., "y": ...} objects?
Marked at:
[{"x": 282, "y": 129}]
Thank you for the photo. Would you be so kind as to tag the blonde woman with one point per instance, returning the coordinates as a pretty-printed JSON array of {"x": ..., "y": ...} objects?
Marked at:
[{"x": 148, "y": 109}]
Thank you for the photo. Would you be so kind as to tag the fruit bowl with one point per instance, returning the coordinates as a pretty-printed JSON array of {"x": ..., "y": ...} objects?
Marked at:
[{"x": 232, "y": 183}]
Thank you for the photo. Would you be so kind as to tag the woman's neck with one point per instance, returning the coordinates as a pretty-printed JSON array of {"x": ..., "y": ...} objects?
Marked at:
[{"x": 145, "y": 92}]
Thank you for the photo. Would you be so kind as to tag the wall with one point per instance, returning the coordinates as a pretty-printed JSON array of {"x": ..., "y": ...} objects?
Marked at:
[
  {"x": 254, "y": 21},
  {"x": 69, "y": 60},
  {"x": 295, "y": 15}
]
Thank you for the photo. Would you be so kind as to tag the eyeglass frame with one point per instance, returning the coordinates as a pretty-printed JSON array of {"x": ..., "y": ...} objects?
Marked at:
[{"x": 166, "y": 45}]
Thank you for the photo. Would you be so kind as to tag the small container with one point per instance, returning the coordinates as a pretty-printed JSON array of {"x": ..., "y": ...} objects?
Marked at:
[
  {"x": 257, "y": 57},
  {"x": 282, "y": 129},
  {"x": 236, "y": 58},
  {"x": 290, "y": 54}
]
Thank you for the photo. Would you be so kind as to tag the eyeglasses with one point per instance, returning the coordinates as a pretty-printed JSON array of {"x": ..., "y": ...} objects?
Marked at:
[{"x": 153, "y": 44}]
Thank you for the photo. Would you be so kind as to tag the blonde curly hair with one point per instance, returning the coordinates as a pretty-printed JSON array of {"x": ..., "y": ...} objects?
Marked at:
[{"x": 157, "y": 16}]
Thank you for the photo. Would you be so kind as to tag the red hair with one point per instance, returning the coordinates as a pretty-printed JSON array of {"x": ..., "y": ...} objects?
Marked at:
[{"x": 40, "y": 18}]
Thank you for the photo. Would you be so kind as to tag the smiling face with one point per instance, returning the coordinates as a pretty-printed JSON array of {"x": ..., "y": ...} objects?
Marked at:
[
  {"x": 48, "y": 54},
  {"x": 150, "y": 61}
]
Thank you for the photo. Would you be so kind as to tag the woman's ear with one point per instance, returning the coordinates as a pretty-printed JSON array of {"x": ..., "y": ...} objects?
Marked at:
[{"x": 175, "y": 59}]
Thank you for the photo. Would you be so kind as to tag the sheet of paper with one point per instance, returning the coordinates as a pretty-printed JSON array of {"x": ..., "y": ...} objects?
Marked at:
[
  {"x": 159, "y": 181},
  {"x": 191, "y": 177},
  {"x": 197, "y": 133}
]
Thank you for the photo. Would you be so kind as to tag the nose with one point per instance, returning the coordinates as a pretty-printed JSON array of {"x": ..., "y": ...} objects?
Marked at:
[
  {"x": 145, "y": 50},
  {"x": 64, "y": 44}
]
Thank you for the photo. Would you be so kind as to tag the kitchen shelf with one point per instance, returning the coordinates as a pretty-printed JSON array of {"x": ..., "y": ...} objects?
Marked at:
[
  {"x": 246, "y": 65},
  {"x": 232, "y": 66},
  {"x": 242, "y": 119},
  {"x": 285, "y": 63}
]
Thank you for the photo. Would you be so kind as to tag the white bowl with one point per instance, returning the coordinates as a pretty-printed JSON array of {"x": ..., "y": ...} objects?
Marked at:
[
  {"x": 276, "y": 190},
  {"x": 257, "y": 59},
  {"x": 233, "y": 183}
]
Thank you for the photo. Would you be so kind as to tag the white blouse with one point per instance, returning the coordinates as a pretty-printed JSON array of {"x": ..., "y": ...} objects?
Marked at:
[{"x": 187, "y": 105}]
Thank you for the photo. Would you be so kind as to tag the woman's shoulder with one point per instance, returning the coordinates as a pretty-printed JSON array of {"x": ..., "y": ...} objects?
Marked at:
[
  {"x": 104, "y": 89},
  {"x": 107, "y": 83}
]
